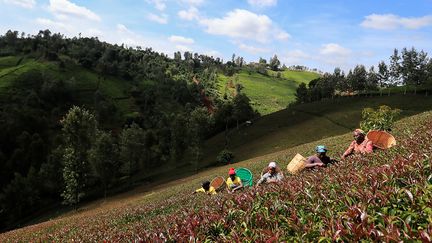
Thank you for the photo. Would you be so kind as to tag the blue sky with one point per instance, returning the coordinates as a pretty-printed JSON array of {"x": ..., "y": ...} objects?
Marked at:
[{"x": 318, "y": 34}]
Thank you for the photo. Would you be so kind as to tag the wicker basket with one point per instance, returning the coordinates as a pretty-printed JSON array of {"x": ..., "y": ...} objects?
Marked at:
[
  {"x": 297, "y": 164},
  {"x": 218, "y": 183},
  {"x": 381, "y": 139}
]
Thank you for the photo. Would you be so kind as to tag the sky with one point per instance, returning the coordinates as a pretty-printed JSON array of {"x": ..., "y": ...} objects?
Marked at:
[{"x": 318, "y": 34}]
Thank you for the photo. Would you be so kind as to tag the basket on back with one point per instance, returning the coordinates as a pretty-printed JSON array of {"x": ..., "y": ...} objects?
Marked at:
[
  {"x": 218, "y": 183},
  {"x": 297, "y": 164},
  {"x": 381, "y": 139},
  {"x": 245, "y": 176}
]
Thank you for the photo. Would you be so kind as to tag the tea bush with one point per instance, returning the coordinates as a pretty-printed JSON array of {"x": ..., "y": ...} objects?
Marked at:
[
  {"x": 379, "y": 119},
  {"x": 225, "y": 157}
]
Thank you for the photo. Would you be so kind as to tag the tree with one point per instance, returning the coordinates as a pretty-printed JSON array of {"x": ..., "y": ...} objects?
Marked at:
[
  {"x": 177, "y": 56},
  {"x": 78, "y": 132},
  {"x": 395, "y": 67},
  {"x": 274, "y": 63},
  {"x": 199, "y": 124},
  {"x": 19, "y": 197},
  {"x": 132, "y": 149},
  {"x": 104, "y": 159},
  {"x": 429, "y": 73},
  {"x": 413, "y": 66},
  {"x": 340, "y": 80},
  {"x": 372, "y": 79},
  {"x": 358, "y": 78},
  {"x": 302, "y": 93},
  {"x": 383, "y": 74},
  {"x": 73, "y": 176},
  {"x": 179, "y": 137},
  {"x": 242, "y": 110}
]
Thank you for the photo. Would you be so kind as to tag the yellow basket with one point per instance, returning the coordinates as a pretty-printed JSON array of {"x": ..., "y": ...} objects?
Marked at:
[{"x": 297, "y": 164}]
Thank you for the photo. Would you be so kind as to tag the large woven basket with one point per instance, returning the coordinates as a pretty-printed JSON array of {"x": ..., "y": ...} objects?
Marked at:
[
  {"x": 218, "y": 183},
  {"x": 297, "y": 164},
  {"x": 245, "y": 176},
  {"x": 381, "y": 139}
]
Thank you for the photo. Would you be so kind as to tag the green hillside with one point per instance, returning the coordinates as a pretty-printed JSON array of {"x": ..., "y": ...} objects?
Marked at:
[
  {"x": 306, "y": 123},
  {"x": 268, "y": 93},
  {"x": 83, "y": 82},
  {"x": 384, "y": 196}
]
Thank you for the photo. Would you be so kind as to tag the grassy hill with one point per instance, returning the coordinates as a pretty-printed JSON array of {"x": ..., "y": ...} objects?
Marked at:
[
  {"x": 83, "y": 82},
  {"x": 306, "y": 123},
  {"x": 384, "y": 196},
  {"x": 268, "y": 93}
]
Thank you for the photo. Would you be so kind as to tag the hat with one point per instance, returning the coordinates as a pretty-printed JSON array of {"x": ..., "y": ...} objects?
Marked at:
[
  {"x": 272, "y": 164},
  {"x": 358, "y": 131},
  {"x": 321, "y": 149},
  {"x": 231, "y": 171}
]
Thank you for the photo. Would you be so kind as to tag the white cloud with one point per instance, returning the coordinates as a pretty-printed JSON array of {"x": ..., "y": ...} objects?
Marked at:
[
  {"x": 123, "y": 29},
  {"x": 63, "y": 8},
  {"x": 193, "y": 2},
  {"x": 162, "y": 19},
  {"x": 158, "y": 4},
  {"x": 253, "y": 49},
  {"x": 69, "y": 28},
  {"x": 53, "y": 25},
  {"x": 262, "y": 3},
  {"x": 183, "y": 48},
  {"x": 190, "y": 14},
  {"x": 213, "y": 53},
  {"x": 334, "y": 54},
  {"x": 333, "y": 49},
  {"x": 295, "y": 57},
  {"x": 93, "y": 32},
  {"x": 282, "y": 35},
  {"x": 243, "y": 24},
  {"x": 391, "y": 21},
  {"x": 181, "y": 40},
  {"x": 22, "y": 3}
]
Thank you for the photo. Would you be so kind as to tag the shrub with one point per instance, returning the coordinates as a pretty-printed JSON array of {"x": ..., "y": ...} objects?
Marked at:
[
  {"x": 225, "y": 156},
  {"x": 380, "y": 119}
]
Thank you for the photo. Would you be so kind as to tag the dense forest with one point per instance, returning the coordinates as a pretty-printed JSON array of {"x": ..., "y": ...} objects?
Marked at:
[
  {"x": 61, "y": 141},
  {"x": 407, "y": 68}
]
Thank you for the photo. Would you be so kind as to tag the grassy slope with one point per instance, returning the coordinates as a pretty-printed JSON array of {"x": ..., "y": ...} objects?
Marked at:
[
  {"x": 124, "y": 216},
  {"x": 267, "y": 93},
  {"x": 297, "y": 76},
  {"x": 82, "y": 80},
  {"x": 306, "y": 123}
]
